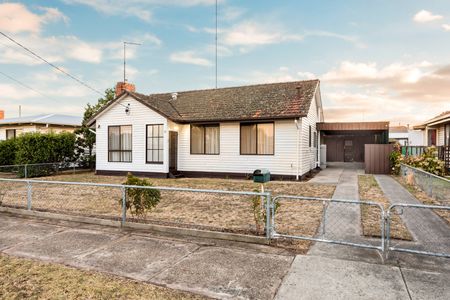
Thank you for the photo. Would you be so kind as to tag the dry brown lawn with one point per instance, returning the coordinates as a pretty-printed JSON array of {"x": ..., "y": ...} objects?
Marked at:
[
  {"x": 424, "y": 198},
  {"x": 218, "y": 212},
  {"x": 370, "y": 215},
  {"x": 28, "y": 279}
]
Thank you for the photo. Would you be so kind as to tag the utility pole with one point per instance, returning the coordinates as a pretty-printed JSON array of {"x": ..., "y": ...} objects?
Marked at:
[{"x": 125, "y": 58}]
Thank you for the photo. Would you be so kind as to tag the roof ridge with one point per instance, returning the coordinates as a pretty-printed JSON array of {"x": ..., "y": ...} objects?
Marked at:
[
  {"x": 43, "y": 117},
  {"x": 234, "y": 87}
]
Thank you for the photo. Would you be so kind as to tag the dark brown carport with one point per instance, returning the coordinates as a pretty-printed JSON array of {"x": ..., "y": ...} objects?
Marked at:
[{"x": 346, "y": 141}]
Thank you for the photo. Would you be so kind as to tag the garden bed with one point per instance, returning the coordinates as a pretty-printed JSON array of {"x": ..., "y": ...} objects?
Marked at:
[
  {"x": 369, "y": 190},
  {"x": 217, "y": 212}
]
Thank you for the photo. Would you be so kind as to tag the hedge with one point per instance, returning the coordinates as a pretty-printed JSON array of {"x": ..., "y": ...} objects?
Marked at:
[{"x": 36, "y": 148}]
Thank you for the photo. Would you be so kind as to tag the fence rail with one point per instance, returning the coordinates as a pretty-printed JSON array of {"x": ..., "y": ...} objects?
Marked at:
[
  {"x": 39, "y": 169},
  {"x": 334, "y": 228},
  {"x": 430, "y": 226}
]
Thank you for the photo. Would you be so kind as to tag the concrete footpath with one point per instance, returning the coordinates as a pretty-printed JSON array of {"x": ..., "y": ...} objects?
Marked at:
[
  {"x": 314, "y": 277},
  {"x": 218, "y": 269}
]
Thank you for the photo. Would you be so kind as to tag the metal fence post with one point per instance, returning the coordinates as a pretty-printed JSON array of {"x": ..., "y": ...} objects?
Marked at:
[
  {"x": 29, "y": 194},
  {"x": 268, "y": 217},
  {"x": 124, "y": 206},
  {"x": 26, "y": 171}
]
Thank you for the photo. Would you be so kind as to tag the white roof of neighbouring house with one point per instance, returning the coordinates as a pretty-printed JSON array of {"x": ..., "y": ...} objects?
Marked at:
[
  {"x": 439, "y": 119},
  {"x": 52, "y": 119}
]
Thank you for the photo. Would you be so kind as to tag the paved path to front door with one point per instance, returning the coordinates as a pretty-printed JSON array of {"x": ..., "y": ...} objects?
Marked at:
[{"x": 430, "y": 232}]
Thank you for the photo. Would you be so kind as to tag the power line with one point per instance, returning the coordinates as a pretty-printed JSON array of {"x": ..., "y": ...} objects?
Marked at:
[
  {"x": 52, "y": 65},
  {"x": 23, "y": 84}
]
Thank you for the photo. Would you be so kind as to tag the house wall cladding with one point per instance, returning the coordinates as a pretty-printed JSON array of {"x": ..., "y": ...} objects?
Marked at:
[
  {"x": 229, "y": 160},
  {"x": 308, "y": 155},
  {"x": 140, "y": 116}
]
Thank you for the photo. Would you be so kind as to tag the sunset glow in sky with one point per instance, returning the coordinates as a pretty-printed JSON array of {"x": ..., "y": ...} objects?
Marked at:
[{"x": 377, "y": 60}]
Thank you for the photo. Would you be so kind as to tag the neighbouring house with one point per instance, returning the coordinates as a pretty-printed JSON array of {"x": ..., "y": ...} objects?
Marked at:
[
  {"x": 13, "y": 127},
  {"x": 436, "y": 131},
  {"x": 405, "y": 136},
  {"x": 214, "y": 132}
]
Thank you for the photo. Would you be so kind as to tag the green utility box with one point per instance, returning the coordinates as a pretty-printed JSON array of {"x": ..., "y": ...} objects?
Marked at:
[{"x": 261, "y": 175}]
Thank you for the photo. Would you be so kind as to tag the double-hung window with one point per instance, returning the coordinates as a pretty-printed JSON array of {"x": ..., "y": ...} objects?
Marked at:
[
  {"x": 120, "y": 143},
  {"x": 257, "y": 138},
  {"x": 155, "y": 143},
  {"x": 205, "y": 139}
]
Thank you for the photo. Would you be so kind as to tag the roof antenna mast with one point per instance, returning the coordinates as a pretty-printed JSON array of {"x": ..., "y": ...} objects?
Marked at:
[{"x": 125, "y": 58}]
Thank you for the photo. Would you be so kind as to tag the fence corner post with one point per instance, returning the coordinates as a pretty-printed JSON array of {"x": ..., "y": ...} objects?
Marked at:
[
  {"x": 124, "y": 206},
  {"x": 29, "y": 194},
  {"x": 268, "y": 216}
]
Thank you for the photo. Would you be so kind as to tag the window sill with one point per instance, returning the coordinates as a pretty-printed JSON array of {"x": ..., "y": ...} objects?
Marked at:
[{"x": 154, "y": 163}]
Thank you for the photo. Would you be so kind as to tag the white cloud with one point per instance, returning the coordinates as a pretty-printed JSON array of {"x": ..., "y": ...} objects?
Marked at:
[
  {"x": 425, "y": 16},
  {"x": 190, "y": 57},
  {"x": 141, "y": 9},
  {"x": 446, "y": 27},
  {"x": 16, "y": 18}
]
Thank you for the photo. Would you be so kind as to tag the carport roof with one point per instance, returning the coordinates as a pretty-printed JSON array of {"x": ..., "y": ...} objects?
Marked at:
[{"x": 353, "y": 126}]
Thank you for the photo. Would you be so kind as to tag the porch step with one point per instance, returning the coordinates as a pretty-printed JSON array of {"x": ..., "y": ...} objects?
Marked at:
[{"x": 175, "y": 175}]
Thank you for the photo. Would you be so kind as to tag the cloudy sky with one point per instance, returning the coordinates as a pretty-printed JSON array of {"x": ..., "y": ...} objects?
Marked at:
[{"x": 377, "y": 60}]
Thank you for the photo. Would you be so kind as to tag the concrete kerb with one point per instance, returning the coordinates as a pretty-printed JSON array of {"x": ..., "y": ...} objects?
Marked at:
[{"x": 161, "y": 229}]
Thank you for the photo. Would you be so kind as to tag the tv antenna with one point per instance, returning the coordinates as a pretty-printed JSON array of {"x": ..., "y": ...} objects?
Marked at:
[
  {"x": 125, "y": 58},
  {"x": 216, "y": 39}
]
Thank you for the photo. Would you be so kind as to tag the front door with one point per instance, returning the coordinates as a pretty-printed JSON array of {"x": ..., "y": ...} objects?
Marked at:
[
  {"x": 348, "y": 151},
  {"x": 173, "y": 150}
]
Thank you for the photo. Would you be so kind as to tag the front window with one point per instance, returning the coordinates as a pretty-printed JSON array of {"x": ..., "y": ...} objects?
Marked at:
[
  {"x": 205, "y": 139},
  {"x": 10, "y": 134},
  {"x": 155, "y": 143},
  {"x": 257, "y": 138},
  {"x": 120, "y": 143}
]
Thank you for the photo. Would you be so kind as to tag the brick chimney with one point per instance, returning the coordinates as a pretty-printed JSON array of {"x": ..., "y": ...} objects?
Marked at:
[
  {"x": 2, "y": 114},
  {"x": 124, "y": 86}
]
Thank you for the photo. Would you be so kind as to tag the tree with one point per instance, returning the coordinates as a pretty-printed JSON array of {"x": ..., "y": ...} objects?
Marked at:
[{"x": 85, "y": 137}]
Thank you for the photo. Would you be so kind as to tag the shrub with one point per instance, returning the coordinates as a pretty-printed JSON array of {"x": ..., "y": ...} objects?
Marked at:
[
  {"x": 431, "y": 163},
  {"x": 140, "y": 201},
  {"x": 37, "y": 148},
  {"x": 396, "y": 158},
  {"x": 8, "y": 152}
]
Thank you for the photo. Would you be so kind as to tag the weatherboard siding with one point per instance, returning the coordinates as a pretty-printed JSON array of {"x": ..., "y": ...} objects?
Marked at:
[
  {"x": 140, "y": 116},
  {"x": 308, "y": 154},
  {"x": 440, "y": 135},
  {"x": 283, "y": 162}
]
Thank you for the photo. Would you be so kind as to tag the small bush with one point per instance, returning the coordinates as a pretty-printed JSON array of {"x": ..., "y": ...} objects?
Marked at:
[
  {"x": 396, "y": 158},
  {"x": 140, "y": 201}
]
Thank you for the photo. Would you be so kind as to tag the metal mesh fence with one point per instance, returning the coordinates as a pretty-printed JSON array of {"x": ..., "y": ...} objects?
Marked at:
[
  {"x": 329, "y": 220},
  {"x": 226, "y": 211},
  {"x": 434, "y": 186},
  {"x": 40, "y": 170},
  {"x": 429, "y": 226}
]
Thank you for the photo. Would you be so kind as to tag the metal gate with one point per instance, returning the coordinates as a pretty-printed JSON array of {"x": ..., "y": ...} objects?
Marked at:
[
  {"x": 327, "y": 220},
  {"x": 429, "y": 225}
]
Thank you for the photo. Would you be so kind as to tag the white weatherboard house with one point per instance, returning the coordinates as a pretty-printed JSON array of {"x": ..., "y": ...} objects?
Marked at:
[{"x": 217, "y": 132}]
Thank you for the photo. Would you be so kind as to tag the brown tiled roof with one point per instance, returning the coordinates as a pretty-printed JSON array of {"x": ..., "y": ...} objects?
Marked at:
[{"x": 252, "y": 102}]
